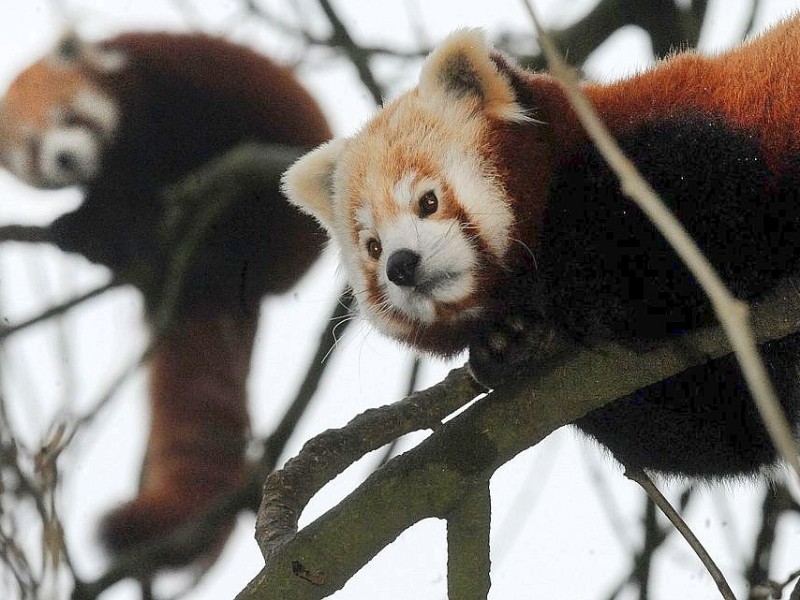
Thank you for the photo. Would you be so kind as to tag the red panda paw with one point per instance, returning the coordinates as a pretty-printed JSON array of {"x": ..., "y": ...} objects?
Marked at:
[
  {"x": 150, "y": 518},
  {"x": 509, "y": 347}
]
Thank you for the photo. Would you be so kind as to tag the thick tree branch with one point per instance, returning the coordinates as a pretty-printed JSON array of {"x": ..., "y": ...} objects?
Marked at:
[
  {"x": 287, "y": 491},
  {"x": 432, "y": 479},
  {"x": 668, "y": 25},
  {"x": 468, "y": 563}
]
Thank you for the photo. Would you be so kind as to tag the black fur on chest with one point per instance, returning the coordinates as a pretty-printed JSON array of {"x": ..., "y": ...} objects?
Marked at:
[{"x": 605, "y": 273}]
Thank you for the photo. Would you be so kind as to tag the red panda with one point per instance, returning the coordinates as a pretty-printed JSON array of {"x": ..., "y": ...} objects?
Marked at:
[
  {"x": 122, "y": 119},
  {"x": 473, "y": 209}
]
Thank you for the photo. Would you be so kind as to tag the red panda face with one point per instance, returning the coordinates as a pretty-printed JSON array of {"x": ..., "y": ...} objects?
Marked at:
[
  {"x": 414, "y": 200},
  {"x": 55, "y": 120}
]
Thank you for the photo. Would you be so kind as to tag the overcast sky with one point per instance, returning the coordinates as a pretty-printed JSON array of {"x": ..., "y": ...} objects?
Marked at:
[{"x": 551, "y": 535}]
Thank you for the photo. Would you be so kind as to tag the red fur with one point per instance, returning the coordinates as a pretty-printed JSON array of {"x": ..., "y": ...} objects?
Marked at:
[
  {"x": 749, "y": 87},
  {"x": 183, "y": 99},
  {"x": 198, "y": 428}
]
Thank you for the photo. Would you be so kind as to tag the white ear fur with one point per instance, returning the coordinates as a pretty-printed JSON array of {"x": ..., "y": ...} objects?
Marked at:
[
  {"x": 308, "y": 183},
  {"x": 461, "y": 67},
  {"x": 105, "y": 60},
  {"x": 72, "y": 49}
]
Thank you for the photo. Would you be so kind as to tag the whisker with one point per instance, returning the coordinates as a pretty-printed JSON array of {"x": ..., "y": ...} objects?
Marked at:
[{"x": 528, "y": 250}]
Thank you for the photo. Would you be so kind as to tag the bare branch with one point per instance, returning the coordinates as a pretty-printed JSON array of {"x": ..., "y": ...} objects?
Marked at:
[
  {"x": 647, "y": 485},
  {"x": 777, "y": 500},
  {"x": 336, "y": 324},
  {"x": 432, "y": 479},
  {"x": 360, "y": 59},
  {"x": 26, "y": 233},
  {"x": 668, "y": 25},
  {"x": 7, "y": 330},
  {"x": 286, "y": 492},
  {"x": 468, "y": 563}
]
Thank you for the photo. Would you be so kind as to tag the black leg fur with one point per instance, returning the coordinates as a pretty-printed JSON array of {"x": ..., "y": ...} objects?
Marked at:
[{"x": 607, "y": 273}]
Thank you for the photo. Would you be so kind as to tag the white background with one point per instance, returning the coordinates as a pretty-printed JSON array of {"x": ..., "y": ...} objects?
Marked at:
[{"x": 552, "y": 535}]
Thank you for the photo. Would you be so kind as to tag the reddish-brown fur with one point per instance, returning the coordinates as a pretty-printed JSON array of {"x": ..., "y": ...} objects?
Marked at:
[
  {"x": 199, "y": 420},
  {"x": 199, "y": 426},
  {"x": 731, "y": 85}
]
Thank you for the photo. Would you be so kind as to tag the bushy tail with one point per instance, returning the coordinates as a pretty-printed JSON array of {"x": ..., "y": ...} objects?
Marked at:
[{"x": 198, "y": 430}]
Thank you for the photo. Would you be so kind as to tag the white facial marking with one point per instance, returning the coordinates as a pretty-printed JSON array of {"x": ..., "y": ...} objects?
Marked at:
[
  {"x": 68, "y": 156},
  {"x": 444, "y": 274},
  {"x": 99, "y": 109},
  {"x": 106, "y": 60},
  {"x": 364, "y": 220},
  {"x": 403, "y": 190}
]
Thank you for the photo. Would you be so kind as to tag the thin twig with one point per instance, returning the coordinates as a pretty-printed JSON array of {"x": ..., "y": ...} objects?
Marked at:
[
  {"x": 360, "y": 59},
  {"x": 413, "y": 378},
  {"x": 7, "y": 330},
  {"x": 336, "y": 324},
  {"x": 653, "y": 492}
]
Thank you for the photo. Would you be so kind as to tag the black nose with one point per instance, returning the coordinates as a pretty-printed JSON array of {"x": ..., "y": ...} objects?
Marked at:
[
  {"x": 401, "y": 268},
  {"x": 67, "y": 161}
]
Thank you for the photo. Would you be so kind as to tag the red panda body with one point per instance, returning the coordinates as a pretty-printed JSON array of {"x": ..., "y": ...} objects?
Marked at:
[
  {"x": 473, "y": 209},
  {"x": 122, "y": 119}
]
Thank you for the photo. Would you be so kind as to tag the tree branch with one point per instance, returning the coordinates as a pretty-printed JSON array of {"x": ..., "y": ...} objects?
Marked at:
[
  {"x": 668, "y": 25},
  {"x": 656, "y": 496},
  {"x": 286, "y": 492},
  {"x": 7, "y": 330},
  {"x": 360, "y": 59},
  {"x": 432, "y": 479},
  {"x": 468, "y": 563},
  {"x": 31, "y": 234}
]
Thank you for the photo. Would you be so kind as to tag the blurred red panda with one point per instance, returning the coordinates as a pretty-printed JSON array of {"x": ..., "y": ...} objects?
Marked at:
[{"x": 122, "y": 119}]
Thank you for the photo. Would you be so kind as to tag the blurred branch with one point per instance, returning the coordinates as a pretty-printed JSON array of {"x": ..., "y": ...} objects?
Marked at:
[
  {"x": 655, "y": 535},
  {"x": 26, "y": 233},
  {"x": 777, "y": 500},
  {"x": 340, "y": 318},
  {"x": 330, "y": 41},
  {"x": 669, "y": 25},
  {"x": 432, "y": 479},
  {"x": 341, "y": 38},
  {"x": 7, "y": 330}
]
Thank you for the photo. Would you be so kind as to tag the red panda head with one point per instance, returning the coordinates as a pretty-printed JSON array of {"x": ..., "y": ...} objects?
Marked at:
[
  {"x": 55, "y": 119},
  {"x": 415, "y": 201}
]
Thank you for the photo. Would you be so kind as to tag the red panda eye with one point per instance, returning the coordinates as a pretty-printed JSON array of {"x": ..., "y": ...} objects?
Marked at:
[
  {"x": 68, "y": 49},
  {"x": 428, "y": 204},
  {"x": 374, "y": 248},
  {"x": 71, "y": 119}
]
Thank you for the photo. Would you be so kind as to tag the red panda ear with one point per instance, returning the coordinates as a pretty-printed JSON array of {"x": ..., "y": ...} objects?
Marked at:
[
  {"x": 461, "y": 68},
  {"x": 308, "y": 183},
  {"x": 71, "y": 50}
]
